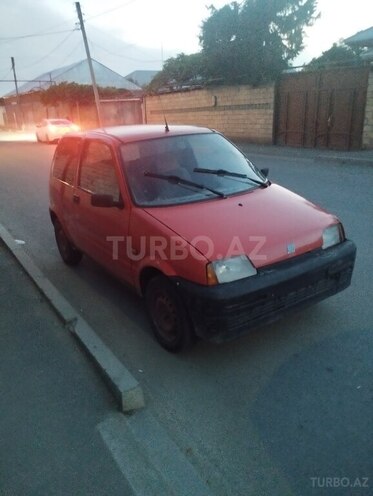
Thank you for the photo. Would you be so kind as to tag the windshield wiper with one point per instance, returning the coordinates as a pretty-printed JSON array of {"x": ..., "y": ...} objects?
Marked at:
[
  {"x": 179, "y": 180},
  {"x": 223, "y": 172}
]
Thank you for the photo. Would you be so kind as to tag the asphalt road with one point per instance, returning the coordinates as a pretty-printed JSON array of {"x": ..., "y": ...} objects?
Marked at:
[
  {"x": 52, "y": 401},
  {"x": 285, "y": 410}
]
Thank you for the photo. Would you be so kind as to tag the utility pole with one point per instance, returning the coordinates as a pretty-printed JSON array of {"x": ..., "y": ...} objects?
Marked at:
[
  {"x": 19, "y": 110},
  {"x": 95, "y": 91}
]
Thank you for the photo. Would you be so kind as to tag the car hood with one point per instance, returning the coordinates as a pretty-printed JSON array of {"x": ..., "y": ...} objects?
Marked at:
[{"x": 267, "y": 224}]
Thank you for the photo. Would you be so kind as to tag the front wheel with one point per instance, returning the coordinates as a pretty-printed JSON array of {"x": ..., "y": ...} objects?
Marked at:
[
  {"x": 170, "y": 320},
  {"x": 70, "y": 255}
]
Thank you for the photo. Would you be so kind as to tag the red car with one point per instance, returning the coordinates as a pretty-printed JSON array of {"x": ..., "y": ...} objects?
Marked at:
[{"x": 184, "y": 218}]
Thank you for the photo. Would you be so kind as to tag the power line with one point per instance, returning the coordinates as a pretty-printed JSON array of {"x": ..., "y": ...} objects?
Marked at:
[
  {"x": 7, "y": 74},
  {"x": 110, "y": 10},
  {"x": 52, "y": 51},
  {"x": 76, "y": 47},
  {"x": 26, "y": 80},
  {"x": 12, "y": 38},
  {"x": 121, "y": 55}
]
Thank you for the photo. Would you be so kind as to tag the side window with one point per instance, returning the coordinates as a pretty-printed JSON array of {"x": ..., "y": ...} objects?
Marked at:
[
  {"x": 97, "y": 172},
  {"x": 66, "y": 159}
]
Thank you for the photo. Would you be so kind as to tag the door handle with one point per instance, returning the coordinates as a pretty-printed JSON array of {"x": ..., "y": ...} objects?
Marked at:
[{"x": 76, "y": 198}]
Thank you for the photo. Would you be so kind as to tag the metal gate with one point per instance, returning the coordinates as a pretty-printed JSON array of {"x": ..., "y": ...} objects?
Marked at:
[
  {"x": 322, "y": 109},
  {"x": 124, "y": 111}
]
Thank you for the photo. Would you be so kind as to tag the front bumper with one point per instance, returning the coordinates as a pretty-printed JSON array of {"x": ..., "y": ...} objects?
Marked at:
[{"x": 223, "y": 312}]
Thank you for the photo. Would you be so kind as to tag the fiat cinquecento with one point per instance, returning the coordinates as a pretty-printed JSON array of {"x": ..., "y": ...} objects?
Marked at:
[{"x": 186, "y": 220}]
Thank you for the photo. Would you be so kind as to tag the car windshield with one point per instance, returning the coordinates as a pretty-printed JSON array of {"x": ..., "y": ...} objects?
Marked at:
[{"x": 188, "y": 168}]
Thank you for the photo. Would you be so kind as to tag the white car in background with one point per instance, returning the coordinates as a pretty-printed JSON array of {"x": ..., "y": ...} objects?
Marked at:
[{"x": 51, "y": 130}]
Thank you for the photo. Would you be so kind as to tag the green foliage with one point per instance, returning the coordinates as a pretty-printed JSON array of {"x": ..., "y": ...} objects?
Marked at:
[
  {"x": 337, "y": 55},
  {"x": 249, "y": 42},
  {"x": 254, "y": 41},
  {"x": 72, "y": 92},
  {"x": 179, "y": 71}
]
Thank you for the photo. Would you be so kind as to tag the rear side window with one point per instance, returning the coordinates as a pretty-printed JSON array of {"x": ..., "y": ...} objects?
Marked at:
[
  {"x": 97, "y": 173},
  {"x": 66, "y": 159}
]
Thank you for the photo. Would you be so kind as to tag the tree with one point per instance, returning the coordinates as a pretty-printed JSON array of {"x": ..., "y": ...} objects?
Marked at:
[
  {"x": 179, "y": 71},
  {"x": 249, "y": 42},
  {"x": 337, "y": 55},
  {"x": 254, "y": 41},
  {"x": 71, "y": 93}
]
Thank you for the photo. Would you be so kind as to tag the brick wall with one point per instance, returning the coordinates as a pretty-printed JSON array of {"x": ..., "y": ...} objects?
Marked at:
[
  {"x": 368, "y": 121},
  {"x": 240, "y": 112}
]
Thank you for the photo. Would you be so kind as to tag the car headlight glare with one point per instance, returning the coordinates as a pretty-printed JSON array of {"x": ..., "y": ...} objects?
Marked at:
[
  {"x": 230, "y": 269},
  {"x": 331, "y": 236}
]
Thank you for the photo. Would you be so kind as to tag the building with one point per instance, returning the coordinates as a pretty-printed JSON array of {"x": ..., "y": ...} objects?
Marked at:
[
  {"x": 362, "y": 39},
  {"x": 29, "y": 110},
  {"x": 142, "y": 77},
  {"x": 78, "y": 73}
]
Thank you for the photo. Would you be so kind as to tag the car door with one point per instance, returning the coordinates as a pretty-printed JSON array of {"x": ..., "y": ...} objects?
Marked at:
[
  {"x": 63, "y": 178},
  {"x": 101, "y": 231}
]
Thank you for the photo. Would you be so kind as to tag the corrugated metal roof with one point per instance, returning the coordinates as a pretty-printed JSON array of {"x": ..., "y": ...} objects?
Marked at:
[
  {"x": 78, "y": 73},
  {"x": 362, "y": 38},
  {"x": 141, "y": 77}
]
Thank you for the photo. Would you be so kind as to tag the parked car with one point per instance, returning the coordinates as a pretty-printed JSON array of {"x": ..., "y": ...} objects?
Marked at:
[
  {"x": 51, "y": 130},
  {"x": 185, "y": 219}
]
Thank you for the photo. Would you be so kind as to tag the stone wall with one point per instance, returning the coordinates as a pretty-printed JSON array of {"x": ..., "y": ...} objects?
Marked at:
[
  {"x": 368, "y": 121},
  {"x": 240, "y": 112}
]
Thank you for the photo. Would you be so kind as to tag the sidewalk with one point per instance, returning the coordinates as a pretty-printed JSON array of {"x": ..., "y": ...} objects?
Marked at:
[
  {"x": 357, "y": 157},
  {"x": 17, "y": 135},
  {"x": 51, "y": 402},
  {"x": 362, "y": 157},
  {"x": 60, "y": 429}
]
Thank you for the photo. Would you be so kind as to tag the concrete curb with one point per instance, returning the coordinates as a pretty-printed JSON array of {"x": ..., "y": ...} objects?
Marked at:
[
  {"x": 294, "y": 156},
  {"x": 124, "y": 386}
]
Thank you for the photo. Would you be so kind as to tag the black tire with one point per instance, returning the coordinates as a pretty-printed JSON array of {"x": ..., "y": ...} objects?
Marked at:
[
  {"x": 170, "y": 321},
  {"x": 69, "y": 254}
]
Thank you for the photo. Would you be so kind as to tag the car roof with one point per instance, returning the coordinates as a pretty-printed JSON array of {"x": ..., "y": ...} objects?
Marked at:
[{"x": 139, "y": 132}]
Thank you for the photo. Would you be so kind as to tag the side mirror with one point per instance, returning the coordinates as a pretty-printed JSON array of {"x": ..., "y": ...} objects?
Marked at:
[
  {"x": 265, "y": 172},
  {"x": 106, "y": 201}
]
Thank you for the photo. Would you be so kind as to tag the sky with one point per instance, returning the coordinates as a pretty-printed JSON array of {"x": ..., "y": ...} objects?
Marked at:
[{"x": 129, "y": 35}]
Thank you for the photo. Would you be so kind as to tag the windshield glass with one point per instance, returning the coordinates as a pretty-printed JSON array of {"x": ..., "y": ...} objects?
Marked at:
[{"x": 151, "y": 167}]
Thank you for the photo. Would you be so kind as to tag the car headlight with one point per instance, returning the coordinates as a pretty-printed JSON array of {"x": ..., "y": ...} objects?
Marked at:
[
  {"x": 332, "y": 235},
  {"x": 229, "y": 269}
]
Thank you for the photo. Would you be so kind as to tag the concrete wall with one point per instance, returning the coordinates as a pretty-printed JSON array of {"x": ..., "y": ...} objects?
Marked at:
[
  {"x": 240, "y": 112},
  {"x": 368, "y": 121}
]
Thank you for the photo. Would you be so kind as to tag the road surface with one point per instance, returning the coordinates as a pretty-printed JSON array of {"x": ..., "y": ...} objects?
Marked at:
[{"x": 285, "y": 410}]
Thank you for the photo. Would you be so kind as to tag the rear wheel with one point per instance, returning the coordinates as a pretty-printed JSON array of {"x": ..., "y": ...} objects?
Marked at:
[
  {"x": 70, "y": 255},
  {"x": 171, "y": 323}
]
